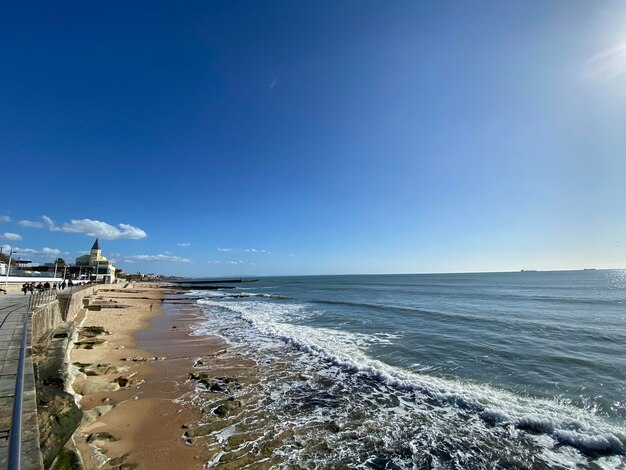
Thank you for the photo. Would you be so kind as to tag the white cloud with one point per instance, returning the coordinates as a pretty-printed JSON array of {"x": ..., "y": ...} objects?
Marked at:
[
  {"x": 291, "y": 254},
  {"x": 247, "y": 250},
  {"x": 129, "y": 261},
  {"x": 46, "y": 251},
  {"x": 11, "y": 236},
  {"x": 30, "y": 223},
  {"x": 96, "y": 228},
  {"x": 184, "y": 244},
  {"x": 28, "y": 251},
  {"x": 226, "y": 262},
  {"x": 159, "y": 257},
  {"x": 5, "y": 218},
  {"x": 50, "y": 223}
]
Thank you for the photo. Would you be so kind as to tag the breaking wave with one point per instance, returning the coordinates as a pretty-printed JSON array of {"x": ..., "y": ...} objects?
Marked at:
[{"x": 552, "y": 431}]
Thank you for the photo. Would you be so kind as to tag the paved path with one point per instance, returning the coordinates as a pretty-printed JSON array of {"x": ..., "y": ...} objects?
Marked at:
[{"x": 12, "y": 310}]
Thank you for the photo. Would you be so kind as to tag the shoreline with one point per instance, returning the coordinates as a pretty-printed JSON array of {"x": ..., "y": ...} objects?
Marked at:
[
  {"x": 133, "y": 381},
  {"x": 254, "y": 395}
]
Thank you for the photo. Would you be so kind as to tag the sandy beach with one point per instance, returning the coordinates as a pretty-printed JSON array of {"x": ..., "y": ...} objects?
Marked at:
[{"x": 132, "y": 359}]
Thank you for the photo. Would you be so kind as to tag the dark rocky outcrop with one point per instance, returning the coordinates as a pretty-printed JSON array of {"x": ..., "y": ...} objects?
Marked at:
[
  {"x": 89, "y": 343},
  {"x": 226, "y": 385},
  {"x": 92, "y": 331},
  {"x": 101, "y": 436},
  {"x": 228, "y": 407}
]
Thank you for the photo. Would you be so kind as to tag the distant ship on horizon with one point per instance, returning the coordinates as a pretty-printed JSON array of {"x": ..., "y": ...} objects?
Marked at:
[{"x": 528, "y": 271}]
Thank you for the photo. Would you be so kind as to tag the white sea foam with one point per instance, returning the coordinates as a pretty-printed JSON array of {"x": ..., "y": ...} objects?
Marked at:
[{"x": 563, "y": 423}]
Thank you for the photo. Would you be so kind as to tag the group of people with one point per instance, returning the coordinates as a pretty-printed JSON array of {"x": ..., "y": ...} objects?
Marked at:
[{"x": 30, "y": 287}]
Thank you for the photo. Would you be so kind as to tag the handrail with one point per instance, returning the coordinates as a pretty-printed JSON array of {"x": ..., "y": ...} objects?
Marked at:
[
  {"x": 15, "y": 435},
  {"x": 38, "y": 298},
  {"x": 75, "y": 288}
]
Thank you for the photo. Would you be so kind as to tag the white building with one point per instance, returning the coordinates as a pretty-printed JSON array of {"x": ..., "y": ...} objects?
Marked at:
[{"x": 100, "y": 268}]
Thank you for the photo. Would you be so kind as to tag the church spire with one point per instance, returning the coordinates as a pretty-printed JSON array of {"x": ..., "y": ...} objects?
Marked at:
[{"x": 96, "y": 245}]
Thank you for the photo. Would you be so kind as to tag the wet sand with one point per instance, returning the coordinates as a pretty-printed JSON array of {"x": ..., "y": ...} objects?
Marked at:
[{"x": 134, "y": 414}]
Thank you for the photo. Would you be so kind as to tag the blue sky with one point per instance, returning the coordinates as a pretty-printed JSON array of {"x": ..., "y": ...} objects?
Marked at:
[{"x": 262, "y": 138}]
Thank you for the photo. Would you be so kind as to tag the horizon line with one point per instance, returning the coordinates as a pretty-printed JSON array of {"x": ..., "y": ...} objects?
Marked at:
[{"x": 410, "y": 273}]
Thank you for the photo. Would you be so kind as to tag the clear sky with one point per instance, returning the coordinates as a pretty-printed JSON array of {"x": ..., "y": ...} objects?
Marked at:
[{"x": 258, "y": 138}]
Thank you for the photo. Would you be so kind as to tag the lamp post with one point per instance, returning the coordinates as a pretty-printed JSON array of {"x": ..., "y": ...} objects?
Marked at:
[{"x": 6, "y": 279}]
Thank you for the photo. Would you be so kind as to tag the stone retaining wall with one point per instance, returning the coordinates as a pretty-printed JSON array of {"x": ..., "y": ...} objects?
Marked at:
[
  {"x": 56, "y": 414},
  {"x": 45, "y": 318},
  {"x": 73, "y": 303}
]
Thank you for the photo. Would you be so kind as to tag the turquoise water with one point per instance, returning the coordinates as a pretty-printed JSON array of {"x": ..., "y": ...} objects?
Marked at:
[{"x": 448, "y": 370}]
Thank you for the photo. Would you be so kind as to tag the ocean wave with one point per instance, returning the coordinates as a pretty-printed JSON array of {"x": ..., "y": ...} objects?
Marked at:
[
  {"x": 237, "y": 295},
  {"x": 566, "y": 424},
  {"x": 614, "y": 337}
]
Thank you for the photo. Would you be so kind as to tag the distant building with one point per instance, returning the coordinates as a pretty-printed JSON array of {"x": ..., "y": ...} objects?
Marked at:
[{"x": 99, "y": 268}]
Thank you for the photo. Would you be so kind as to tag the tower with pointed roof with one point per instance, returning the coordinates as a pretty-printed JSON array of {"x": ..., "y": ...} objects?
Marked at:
[
  {"x": 96, "y": 265},
  {"x": 95, "y": 254}
]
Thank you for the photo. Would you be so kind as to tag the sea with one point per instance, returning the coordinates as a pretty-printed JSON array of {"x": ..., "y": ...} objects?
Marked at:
[{"x": 485, "y": 370}]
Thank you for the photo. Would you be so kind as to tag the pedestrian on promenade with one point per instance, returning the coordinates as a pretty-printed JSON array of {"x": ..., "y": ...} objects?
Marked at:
[
  {"x": 25, "y": 288},
  {"x": 63, "y": 285},
  {"x": 46, "y": 286}
]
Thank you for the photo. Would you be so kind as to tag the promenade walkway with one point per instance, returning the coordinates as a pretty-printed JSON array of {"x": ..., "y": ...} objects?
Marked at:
[{"x": 13, "y": 307}]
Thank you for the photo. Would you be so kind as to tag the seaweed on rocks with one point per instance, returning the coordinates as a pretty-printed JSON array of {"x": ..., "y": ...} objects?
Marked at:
[{"x": 226, "y": 385}]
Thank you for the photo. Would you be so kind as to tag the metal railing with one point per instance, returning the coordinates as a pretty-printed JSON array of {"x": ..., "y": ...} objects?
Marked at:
[
  {"x": 35, "y": 300},
  {"x": 15, "y": 435},
  {"x": 75, "y": 289},
  {"x": 41, "y": 297}
]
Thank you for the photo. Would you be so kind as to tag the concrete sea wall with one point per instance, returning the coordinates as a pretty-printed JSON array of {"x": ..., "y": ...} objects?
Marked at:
[{"x": 52, "y": 325}]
